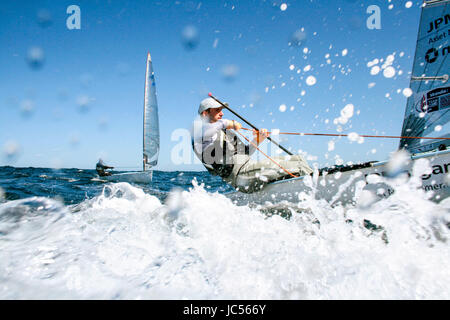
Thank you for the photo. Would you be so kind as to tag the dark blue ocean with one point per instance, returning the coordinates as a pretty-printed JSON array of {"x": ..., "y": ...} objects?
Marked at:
[
  {"x": 66, "y": 235},
  {"x": 73, "y": 186}
]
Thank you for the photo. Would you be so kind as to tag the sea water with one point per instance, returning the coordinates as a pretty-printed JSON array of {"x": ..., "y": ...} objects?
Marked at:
[{"x": 65, "y": 234}]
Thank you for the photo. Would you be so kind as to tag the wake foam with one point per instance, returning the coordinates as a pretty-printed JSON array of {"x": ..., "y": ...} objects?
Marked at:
[{"x": 126, "y": 244}]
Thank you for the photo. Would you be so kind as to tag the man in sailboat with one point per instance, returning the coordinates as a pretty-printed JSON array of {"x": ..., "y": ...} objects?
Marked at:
[
  {"x": 224, "y": 154},
  {"x": 101, "y": 168}
]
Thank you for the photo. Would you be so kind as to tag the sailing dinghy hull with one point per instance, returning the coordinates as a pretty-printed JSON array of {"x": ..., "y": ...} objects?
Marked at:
[
  {"x": 131, "y": 177},
  {"x": 346, "y": 187}
]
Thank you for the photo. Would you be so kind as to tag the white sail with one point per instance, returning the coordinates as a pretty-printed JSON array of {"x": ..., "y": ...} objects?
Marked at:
[
  {"x": 427, "y": 109},
  {"x": 151, "y": 124}
]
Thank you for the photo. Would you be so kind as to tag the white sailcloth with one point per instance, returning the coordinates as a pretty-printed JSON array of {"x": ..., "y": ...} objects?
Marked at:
[
  {"x": 427, "y": 109},
  {"x": 151, "y": 123}
]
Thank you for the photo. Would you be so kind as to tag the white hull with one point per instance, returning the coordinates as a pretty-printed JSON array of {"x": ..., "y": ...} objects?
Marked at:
[
  {"x": 344, "y": 187},
  {"x": 136, "y": 177}
]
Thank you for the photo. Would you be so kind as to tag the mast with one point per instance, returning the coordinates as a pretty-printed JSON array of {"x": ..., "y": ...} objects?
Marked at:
[
  {"x": 151, "y": 122},
  {"x": 427, "y": 108}
]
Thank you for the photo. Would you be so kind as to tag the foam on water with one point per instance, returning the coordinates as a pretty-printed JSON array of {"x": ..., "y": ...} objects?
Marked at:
[{"x": 126, "y": 244}]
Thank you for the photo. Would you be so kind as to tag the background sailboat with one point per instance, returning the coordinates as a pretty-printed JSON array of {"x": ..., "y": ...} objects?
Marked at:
[{"x": 150, "y": 133}]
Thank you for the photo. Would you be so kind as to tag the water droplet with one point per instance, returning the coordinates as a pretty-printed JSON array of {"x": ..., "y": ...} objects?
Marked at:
[
  {"x": 298, "y": 38},
  {"x": 372, "y": 63},
  {"x": 408, "y": 4},
  {"x": 84, "y": 102},
  {"x": 103, "y": 124},
  {"x": 347, "y": 111},
  {"x": 407, "y": 92},
  {"x": 44, "y": 18},
  {"x": 215, "y": 43},
  {"x": 353, "y": 136},
  {"x": 398, "y": 162},
  {"x": 35, "y": 58},
  {"x": 375, "y": 70},
  {"x": 311, "y": 80},
  {"x": 282, "y": 108},
  {"x": 331, "y": 145},
  {"x": 26, "y": 108},
  {"x": 190, "y": 37},
  {"x": 11, "y": 150},
  {"x": 230, "y": 72},
  {"x": 389, "y": 72},
  {"x": 283, "y": 7}
]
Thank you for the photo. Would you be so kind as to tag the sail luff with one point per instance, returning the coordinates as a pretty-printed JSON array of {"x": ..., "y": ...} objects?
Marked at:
[
  {"x": 151, "y": 123},
  {"x": 406, "y": 120}
]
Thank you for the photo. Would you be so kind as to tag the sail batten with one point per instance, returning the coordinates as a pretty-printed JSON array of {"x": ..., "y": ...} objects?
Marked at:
[
  {"x": 427, "y": 108},
  {"x": 151, "y": 123}
]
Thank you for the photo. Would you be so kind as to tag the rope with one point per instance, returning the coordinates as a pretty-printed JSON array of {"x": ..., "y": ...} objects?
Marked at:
[
  {"x": 345, "y": 135},
  {"x": 324, "y": 134},
  {"x": 256, "y": 147}
]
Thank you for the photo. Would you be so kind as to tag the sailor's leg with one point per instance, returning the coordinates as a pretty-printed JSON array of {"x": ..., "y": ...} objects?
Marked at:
[
  {"x": 240, "y": 162},
  {"x": 295, "y": 164},
  {"x": 248, "y": 178},
  {"x": 266, "y": 170}
]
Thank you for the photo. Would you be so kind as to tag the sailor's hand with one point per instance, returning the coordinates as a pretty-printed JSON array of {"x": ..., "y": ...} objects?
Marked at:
[
  {"x": 236, "y": 125},
  {"x": 260, "y": 135}
]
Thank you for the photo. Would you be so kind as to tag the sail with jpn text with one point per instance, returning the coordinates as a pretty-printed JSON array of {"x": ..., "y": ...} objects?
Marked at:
[{"x": 427, "y": 109}]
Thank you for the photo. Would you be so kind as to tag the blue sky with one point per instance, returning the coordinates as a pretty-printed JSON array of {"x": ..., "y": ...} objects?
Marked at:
[{"x": 85, "y": 100}]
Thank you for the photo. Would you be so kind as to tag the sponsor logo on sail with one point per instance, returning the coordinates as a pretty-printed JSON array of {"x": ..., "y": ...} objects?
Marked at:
[
  {"x": 436, "y": 24},
  {"x": 432, "y": 54},
  {"x": 434, "y": 100}
]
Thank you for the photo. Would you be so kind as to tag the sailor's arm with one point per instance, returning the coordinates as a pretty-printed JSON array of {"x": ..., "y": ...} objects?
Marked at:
[
  {"x": 259, "y": 136},
  {"x": 234, "y": 125}
]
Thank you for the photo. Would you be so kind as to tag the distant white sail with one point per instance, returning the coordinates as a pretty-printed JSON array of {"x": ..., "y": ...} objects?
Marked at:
[
  {"x": 151, "y": 123},
  {"x": 427, "y": 109}
]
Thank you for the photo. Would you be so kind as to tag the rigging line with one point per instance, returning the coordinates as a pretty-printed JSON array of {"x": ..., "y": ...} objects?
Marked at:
[
  {"x": 256, "y": 147},
  {"x": 443, "y": 78},
  {"x": 433, "y": 1},
  {"x": 361, "y": 135}
]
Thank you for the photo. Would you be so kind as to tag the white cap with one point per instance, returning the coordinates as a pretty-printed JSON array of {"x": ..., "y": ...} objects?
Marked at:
[{"x": 207, "y": 104}]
